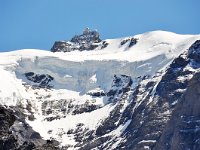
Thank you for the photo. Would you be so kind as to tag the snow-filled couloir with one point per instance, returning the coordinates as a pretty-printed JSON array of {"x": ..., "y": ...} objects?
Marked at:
[{"x": 81, "y": 98}]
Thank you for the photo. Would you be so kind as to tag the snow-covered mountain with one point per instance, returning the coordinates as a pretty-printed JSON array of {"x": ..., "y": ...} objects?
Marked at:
[{"x": 137, "y": 93}]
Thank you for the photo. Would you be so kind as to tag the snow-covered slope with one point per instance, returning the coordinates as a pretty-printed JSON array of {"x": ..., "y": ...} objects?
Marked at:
[{"x": 69, "y": 96}]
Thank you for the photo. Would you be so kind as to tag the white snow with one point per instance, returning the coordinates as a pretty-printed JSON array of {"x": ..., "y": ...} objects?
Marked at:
[
  {"x": 146, "y": 147},
  {"x": 93, "y": 79},
  {"x": 67, "y": 76},
  {"x": 90, "y": 120},
  {"x": 147, "y": 141}
]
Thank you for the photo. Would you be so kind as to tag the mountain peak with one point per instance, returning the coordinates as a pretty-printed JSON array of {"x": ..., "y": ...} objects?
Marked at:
[
  {"x": 88, "y": 36},
  {"x": 88, "y": 40}
]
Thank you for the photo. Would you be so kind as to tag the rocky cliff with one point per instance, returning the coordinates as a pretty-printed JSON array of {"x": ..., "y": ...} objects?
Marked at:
[{"x": 89, "y": 40}]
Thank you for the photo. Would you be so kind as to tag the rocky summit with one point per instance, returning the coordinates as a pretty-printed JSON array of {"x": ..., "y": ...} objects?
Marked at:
[
  {"x": 89, "y": 40},
  {"x": 134, "y": 93}
]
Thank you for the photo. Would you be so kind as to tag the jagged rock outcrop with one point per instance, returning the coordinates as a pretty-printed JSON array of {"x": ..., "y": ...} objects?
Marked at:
[
  {"x": 130, "y": 41},
  {"x": 7, "y": 140},
  {"x": 183, "y": 130},
  {"x": 89, "y": 40},
  {"x": 87, "y": 37},
  {"x": 96, "y": 92},
  {"x": 41, "y": 80},
  {"x": 16, "y": 134},
  {"x": 194, "y": 52}
]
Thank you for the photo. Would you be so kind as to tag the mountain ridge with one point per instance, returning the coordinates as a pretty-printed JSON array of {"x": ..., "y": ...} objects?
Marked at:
[{"x": 118, "y": 97}]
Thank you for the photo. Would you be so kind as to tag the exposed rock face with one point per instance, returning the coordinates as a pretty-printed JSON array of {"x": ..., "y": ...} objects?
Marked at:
[
  {"x": 130, "y": 41},
  {"x": 121, "y": 84},
  {"x": 89, "y": 40},
  {"x": 194, "y": 52},
  {"x": 16, "y": 134},
  {"x": 86, "y": 37},
  {"x": 41, "y": 80},
  {"x": 7, "y": 140},
  {"x": 183, "y": 129}
]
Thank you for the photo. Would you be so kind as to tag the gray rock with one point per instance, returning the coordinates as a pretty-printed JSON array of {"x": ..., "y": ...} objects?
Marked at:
[
  {"x": 183, "y": 130},
  {"x": 89, "y": 40}
]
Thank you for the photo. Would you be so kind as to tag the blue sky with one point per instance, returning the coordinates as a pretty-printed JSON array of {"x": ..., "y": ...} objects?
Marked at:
[{"x": 38, "y": 23}]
